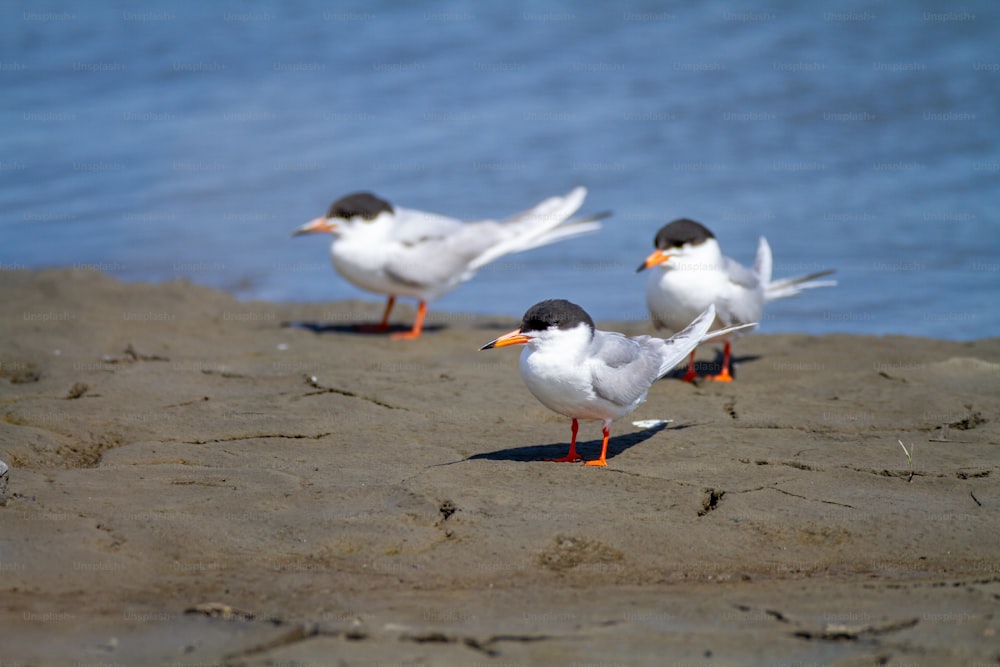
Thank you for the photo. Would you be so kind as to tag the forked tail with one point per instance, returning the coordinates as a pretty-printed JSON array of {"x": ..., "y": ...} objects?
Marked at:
[
  {"x": 683, "y": 342},
  {"x": 785, "y": 287},
  {"x": 542, "y": 225}
]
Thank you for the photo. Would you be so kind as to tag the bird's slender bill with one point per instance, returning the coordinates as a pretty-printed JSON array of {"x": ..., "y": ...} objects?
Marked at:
[
  {"x": 656, "y": 257},
  {"x": 514, "y": 337},
  {"x": 316, "y": 226}
]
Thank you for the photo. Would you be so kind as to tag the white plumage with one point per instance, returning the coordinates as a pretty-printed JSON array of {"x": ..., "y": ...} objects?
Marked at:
[
  {"x": 689, "y": 273},
  {"x": 404, "y": 252},
  {"x": 585, "y": 373}
]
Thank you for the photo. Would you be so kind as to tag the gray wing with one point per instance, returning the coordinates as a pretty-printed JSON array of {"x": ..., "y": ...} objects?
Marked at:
[
  {"x": 740, "y": 275},
  {"x": 624, "y": 367},
  {"x": 436, "y": 251},
  {"x": 429, "y": 263},
  {"x": 413, "y": 226},
  {"x": 743, "y": 301}
]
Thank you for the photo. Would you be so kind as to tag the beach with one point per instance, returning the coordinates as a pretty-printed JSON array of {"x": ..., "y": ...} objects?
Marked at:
[{"x": 196, "y": 479}]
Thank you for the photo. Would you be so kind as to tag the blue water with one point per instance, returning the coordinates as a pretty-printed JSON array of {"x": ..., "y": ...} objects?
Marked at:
[{"x": 164, "y": 140}]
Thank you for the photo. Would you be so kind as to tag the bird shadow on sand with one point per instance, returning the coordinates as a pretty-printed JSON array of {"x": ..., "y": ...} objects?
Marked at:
[
  {"x": 358, "y": 329},
  {"x": 589, "y": 449},
  {"x": 713, "y": 367}
]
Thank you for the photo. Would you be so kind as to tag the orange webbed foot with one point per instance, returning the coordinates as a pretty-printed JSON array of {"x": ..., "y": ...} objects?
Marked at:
[
  {"x": 571, "y": 456},
  {"x": 418, "y": 325},
  {"x": 724, "y": 376}
]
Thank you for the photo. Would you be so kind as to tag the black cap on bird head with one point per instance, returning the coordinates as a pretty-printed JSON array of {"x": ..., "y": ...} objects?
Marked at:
[
  {"x": 364, "y": 205},
  {"x": 559, "y": 313},
  {"x": 679, "y": 232}
]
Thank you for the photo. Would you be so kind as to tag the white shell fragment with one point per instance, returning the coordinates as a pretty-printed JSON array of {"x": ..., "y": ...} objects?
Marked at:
[{"x": 651, "y": 423}]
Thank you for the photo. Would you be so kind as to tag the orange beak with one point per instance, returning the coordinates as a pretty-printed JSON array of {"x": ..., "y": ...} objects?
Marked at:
[
  {"x": 514, "y": 337},
  {"x": 316, "y": 226},
  {"x": 655, "y": 257}
]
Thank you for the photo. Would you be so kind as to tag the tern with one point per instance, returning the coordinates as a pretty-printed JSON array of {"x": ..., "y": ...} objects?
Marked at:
[
  {"x": 690, "y": 273},
  {"x": 403, "y": 252},
  {"x": 581, "y": 372}
]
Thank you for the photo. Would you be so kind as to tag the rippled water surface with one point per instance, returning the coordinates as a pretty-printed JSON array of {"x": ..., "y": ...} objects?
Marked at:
[{"x": 168, "y": 140}]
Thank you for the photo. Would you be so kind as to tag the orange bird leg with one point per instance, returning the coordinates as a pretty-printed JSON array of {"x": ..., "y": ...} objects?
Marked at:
[
  {"x": 724, "y": 375},
  {"x": 572, "y": 456},
  {"x": 690, "y": 375},
  {"x": 418, "y": 324},
  {"x": 604, "y": 449},
  {"x": 384, "y": 324}
]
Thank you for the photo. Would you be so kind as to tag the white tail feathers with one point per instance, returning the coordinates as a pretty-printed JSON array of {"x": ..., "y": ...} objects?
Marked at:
[
  {"x": 784, "y": 287},
  {"x": 553, "y": 209},
  {"x": 762, "y": 265},
  {"x": 728, "y": 330},
  {"x": 683, "y": 342},
  {"x": 542, "y": 225}
]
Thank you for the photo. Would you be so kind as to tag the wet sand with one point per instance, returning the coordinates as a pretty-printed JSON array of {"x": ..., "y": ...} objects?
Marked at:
[{"x": 199, "y": 480}]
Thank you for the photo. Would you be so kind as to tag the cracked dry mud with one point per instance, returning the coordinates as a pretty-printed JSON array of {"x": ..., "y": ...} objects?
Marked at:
[{"x": 193, "y": 483}]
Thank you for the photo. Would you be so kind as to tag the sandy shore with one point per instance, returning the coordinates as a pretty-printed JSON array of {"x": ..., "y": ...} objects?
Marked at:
[{"x": 194, "y": 481}]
